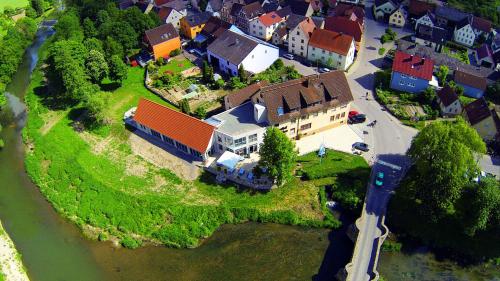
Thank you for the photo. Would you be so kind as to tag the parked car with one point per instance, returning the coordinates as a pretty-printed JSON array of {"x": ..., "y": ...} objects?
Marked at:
[
  {"x": 352, "y": 113},
  {"x": 323, "y": 70},
  {"x": 307, "y": 63},
  {"x": 288, "y": 56},
  {"x": 361, "y": 146},
  {"x": 356, "y": 119}
]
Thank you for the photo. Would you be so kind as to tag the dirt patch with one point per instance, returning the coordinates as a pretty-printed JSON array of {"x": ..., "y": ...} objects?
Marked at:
[
  {"x": 134, "y": 167},
  {"x": 98, "y": 145},
  {"x": 50, "y": 119},
  {"x": 162, "y": 158}
]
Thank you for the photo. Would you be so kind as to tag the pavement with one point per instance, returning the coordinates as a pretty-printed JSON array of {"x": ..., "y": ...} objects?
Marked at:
[{"x": 339, "y": 138}]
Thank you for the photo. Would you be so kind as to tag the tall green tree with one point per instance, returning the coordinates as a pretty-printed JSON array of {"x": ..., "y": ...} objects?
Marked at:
[
  {"x": 184, "y": 106},
  {"x": 96, "y": 104},
  {"x": 442, "y": 73},
  {"x": 38, "y": 6},
  {"x": 277, "y": 155},
  {"x": 96, "y": 66},
  {"x": 117, "y": 69},
  {"x": 242, "y": 74},
  {"x": 444, "y": 157},
  {"x": 89, "y": 28},
  {"x": 207, "y": 72},
  {"x": 68, "y": 27}
]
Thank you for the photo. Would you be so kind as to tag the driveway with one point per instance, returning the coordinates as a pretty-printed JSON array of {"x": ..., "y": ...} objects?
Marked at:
[
  {"x": 340, "y": 138},
  {"x": 300, "y": 67}
]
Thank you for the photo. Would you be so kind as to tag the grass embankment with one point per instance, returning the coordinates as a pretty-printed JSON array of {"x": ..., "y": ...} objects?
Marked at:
[{"x": 94, "y": 179}]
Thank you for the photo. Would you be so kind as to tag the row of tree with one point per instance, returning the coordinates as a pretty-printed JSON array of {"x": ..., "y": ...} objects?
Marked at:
[{"x": 441, "y": 201}]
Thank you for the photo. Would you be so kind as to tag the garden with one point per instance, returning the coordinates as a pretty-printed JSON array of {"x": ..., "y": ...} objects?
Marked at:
[{"x": 457, "y": 52}]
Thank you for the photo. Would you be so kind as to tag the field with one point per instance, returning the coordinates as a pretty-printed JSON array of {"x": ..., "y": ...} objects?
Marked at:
[{"x": 13, "y": 3}]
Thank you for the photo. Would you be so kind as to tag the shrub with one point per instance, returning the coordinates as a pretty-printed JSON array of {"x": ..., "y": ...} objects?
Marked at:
[
  {"x": 391, "y": 246},
  {"x": 381, "y": 51},
  {"x": 175, "y": 52},
  {"x": 130, "y": 243},
  {"x": 102, "y": 237}
]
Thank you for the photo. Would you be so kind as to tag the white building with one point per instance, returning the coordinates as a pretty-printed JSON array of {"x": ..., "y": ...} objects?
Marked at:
[
  {"x": 264, "y": 26},
  {"x": 335, "y": 50},
  {"x": 214, "y": 7},
  {"x": 233, "y": 49},
  {"x": 429, "y": 19},
  {"x": 170, "y": 15},
  {"x": 298, "y": 37},
  {"x": 448, "y": 102},
  {"x": 464, "y": 33},
  {"x": 381, "y": 8}
]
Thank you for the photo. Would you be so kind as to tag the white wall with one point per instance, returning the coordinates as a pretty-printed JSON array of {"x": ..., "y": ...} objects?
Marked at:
[
  {"x": 464, "y": 36},
  {"x": 340, "y": 62},
  {"x": 295, "y": 44},
  {"x": 424, "y": 20}
]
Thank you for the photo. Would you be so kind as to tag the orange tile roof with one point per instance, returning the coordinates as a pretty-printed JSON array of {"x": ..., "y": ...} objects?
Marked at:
[
  {"x": 270, "y": 18},
  {"x": 176, "y": 125},
  {"x": 331, "y": 41}
]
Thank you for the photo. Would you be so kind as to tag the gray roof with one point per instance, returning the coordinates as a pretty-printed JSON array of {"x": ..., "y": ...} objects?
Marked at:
[
  {"x": 450, "y": 14},
  {"x": 232, "y": 46},
  {"x": 236, "y": 121},
  {"x": 215, "y": 4},
  {"x": 161, "y": 34},
  {"x": 198, "y": 18},
  {"x": 442, "y": 59},
  {"x": 294, "y": 20},
  {"x": 433, "y": 34}
]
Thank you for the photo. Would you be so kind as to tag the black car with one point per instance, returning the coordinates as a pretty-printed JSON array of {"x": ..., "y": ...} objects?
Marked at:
[
  {"x": 358, "y": 118},
  {"x": 360, "y": 146}
]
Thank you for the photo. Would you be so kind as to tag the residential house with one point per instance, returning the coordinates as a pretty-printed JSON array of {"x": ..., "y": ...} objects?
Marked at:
[
  {"x": 301, "y": 7},
  {"x": 398, "y": 17},
  {"x": 448, "y": 16},
  {"x": 483, "y": 119},
  {"x": 299, "y": 36},
  {"x": 280, "y": 35},
  {"x": 214, "y": 7},
  {"x": 484, "y": 56},
  {"x": 170, "y": 15},
  {"x": 333, "y": 49},
  {"x": 193, "y": 24},
  {"x": 178, "y": 5},
  {"x": 345, "y": 26},
  {"x": 175, "y": 129},
  {"x": 474, "y": 86},
  {"x": 428, "y": 19},
  {"x": 464, "y": 33},
  {"x": 212, "y": 29},
  {"x": 247, "y": 14},
  {"x": 417, "y": 9},
  {"x": 237, "y": 131},
  {"x": 270, "y": 5},
  {"x": 306, "y": 105},
  {"x": 285, "y": 12},
  {"x": 319, "y": 22},
  {"x": 351, "y": 12},
  {"x": 411, "y": 73},
  {"x": 432, "y": 36},
  {"x": 233, "y": 49},
  {"x": 162, "y": 40},
  {"x": 264, "y": 26},
  {"x": 481, "y": 26},
  {"x": 448, "y": 101},
  {"x": 383, "y": 8},
  {"x": 316, "y": 5}
]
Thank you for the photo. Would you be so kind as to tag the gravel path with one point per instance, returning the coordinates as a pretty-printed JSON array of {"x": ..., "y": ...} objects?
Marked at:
[{"x": 10, "y": 263}]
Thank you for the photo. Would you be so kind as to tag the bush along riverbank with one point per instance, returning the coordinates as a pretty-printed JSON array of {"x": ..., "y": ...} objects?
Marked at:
[{"x": 96, "y": 178}]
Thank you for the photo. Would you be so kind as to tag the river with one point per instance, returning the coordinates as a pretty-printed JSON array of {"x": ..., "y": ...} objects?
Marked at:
[{"x": 54, "y": 249}]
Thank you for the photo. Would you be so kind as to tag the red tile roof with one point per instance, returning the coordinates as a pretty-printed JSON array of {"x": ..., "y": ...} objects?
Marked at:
[
  {"x": 270, "y": 18},
  {"x": 161, "y": 2},
  {"x": 344, "y": 25},
  {"x": 331, "y": 41},
  {"x": 413, "y": 65},
  {"x": 420, "y": 8},
  {"x": 176, "y": 125},
  {"x": 164, "y": 12}
]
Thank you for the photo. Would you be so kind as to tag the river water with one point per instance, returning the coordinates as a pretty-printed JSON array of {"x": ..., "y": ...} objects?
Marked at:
[{"x": 53, "y": 249}]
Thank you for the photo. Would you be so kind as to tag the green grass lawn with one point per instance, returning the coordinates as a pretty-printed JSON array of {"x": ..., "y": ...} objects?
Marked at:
[
  {"x": 94, "y": 179},
  {"x": 176, "y": 66},
  {"x": 13, "y": 3}
]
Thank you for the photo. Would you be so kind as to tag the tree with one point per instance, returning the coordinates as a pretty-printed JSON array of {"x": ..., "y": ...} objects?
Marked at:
[
  {"x": 329, "y": 62},
  {"x": 117, "y": 69},
  {"x": 444, "y": 157},
  {"x": 277, "y": 155},
  {"x": 459, "y": 90},
  {"x": 93, "y": 44},
  {"x": 442, "y": 73},
  {"x": 200, "y": 112},
  {"x": 242, "y": 74},
  {"x": 493, "y": 92},
  {"x": 480, "y": 204},
  {"x": 427, "y": 96},
  {"x": 278, "y": 64},
  {"x": 38, "y": 6},
  {"x": 184, "y": 106},
  {"x": 175, "y": 53},
  {"x": 68, "y": 27},
  {"x": 89, "y": 28},
  {"x": 113, "y": 47},
  {"x": 207, "y": 72},
  {"x": 96, "y": 103},
  {"x": 96, "y": 66}
]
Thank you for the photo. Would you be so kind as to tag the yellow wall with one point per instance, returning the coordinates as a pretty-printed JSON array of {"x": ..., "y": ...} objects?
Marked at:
[
  {"x": 190, "y": 31},
  {"x": 320, "y": 121},
  {"x": 164, "y": 49}
]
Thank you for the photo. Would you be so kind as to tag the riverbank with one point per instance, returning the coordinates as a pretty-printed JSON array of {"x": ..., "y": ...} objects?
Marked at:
[{"x": 11, "y": 266}]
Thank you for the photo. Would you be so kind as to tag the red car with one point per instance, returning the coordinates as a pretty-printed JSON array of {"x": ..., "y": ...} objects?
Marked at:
[{"x": 352, "y": 113}]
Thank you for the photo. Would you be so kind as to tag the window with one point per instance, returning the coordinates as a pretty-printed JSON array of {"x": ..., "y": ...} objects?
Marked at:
[
  {"x": 293, "y": 38},
  {"x": 182, "y": 147},
  {"x": 401, "y": 82},
  {"x": 284, "y": 128},
  {"x": 305, "y": 126},
  {"x": 195, "y": 153},
  {"x": 168, "y": 140},
  {"x": 332, "y": 118},
  {"x": 240, "y": 141},
  {"x": 323, "y": 51},
  {"x": 155, "y": 133},
  {"x": 314, "y": 48},
  {"x": 292, "y": 131},
  {"x": 342, "y": 115},
  {"x": 302, "y": 41},
  {"x": 219, "y": 139},
  {"x": 315, "y": 114},
  {"x": 337, "y": 116},
  {"x": 305, "y": 117},
  {"x": 293, "y": 45},
  {"x": 252, "y": 138},
  {"x": 298, "y": 33},
  {"x": 221, "y": 147}
]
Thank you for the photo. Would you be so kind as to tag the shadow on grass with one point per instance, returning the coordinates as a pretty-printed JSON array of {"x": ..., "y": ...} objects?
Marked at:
[
  {"x": 110, "y": 87},
  {"x": 209, "y": 179},
  {"x": 51, "y": 92}
]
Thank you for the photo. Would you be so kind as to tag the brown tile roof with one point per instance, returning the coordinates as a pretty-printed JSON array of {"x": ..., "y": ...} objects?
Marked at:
[
  {"x": 345, "y": 26},
  {"x": 176, "y": 125},
  {"x": 232, "y": 46},
  {"x": 161, "y": 34},
  {"x": 270, "y": 18},
  {"x": 331, "y": 41},
  {"x": 215, "y": 27},
  {"x": 477, "y": 111},
  {"x": 198, "y": 19},
  {"x": 350, "y": 11},
  {"x": 303, "y": 96},
  {"x": 419, "y": 8},
  {"x": 164, "y": 12},
  {"x": 308, "y": 26},
  {"x": 481, "y": 24},
  {"x": 470, "y": 80},
  {"x": 447, "y": 95},
  {"x": 241, "y": 96},
  {"x": 252, "y": 10}
]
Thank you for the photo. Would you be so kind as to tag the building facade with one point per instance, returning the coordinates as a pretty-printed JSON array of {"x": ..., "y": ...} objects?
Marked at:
[
  {"x": 298, "y": 37},
  {"x": 264, "y": 26},
  {"x": 411, "y": 73},
  {"x": 398, "y": 17},
  {"x": 332, "y": 49}
]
